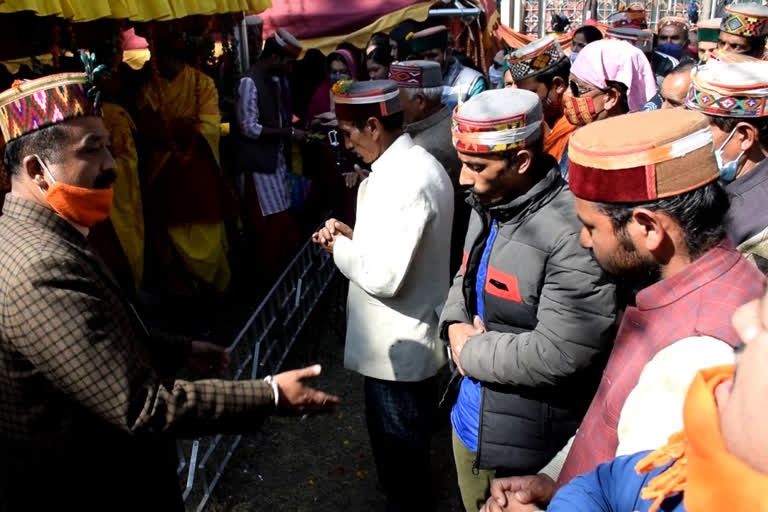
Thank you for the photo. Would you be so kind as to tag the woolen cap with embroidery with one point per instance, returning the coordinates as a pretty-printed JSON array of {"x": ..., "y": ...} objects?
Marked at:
[
  {"x": 746, "y": 20},
  {"x": 729, "y": 89},
  {"x": 34, "y": 104},
  {"x": 497, "y": 120},
  {"x": 416, "y": 74},
  {"x": 709, "y": 30},
  {"x": 358, "y": 101},
  {"x": 641, "y": 39},
  {"x": 673, "y": 20},
  {"x": 428, "y": 39},
  {"x": 641, "y": 157},
  {"x": 535, "y": 58},
  {"x": 289, "y": 43}
]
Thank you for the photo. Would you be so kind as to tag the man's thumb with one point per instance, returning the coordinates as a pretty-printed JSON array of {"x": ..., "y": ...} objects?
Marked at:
[
  {"x": 310, "y": 371},
  {"x": 523, "y": 497}
]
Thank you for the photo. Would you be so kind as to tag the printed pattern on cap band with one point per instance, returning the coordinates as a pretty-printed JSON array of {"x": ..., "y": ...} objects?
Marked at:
[
  {"x": 37, "y": 109},
  {"x": 744, "y": 25},
  {"x": 465, "y": 134},
  {"x": 406, "y": 76}
]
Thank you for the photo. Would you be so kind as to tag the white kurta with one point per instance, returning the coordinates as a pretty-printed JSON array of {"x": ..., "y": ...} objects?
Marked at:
[{"x": 397, "y": 264}]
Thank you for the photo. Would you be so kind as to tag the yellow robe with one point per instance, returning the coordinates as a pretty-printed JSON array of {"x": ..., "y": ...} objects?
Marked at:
[
  {"x": 203, "y": 247},
  {"x": 127, "y": 214}
]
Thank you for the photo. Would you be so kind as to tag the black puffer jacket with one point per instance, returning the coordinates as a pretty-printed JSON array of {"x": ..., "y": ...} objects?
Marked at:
[{"x": 549, "y": 313}]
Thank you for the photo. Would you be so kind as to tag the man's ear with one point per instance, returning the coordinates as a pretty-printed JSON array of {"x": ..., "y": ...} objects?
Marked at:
[
  {"x": 559, "y": 85},
  {"x": 422, "y": 101},
  {"x": 650, "y": 229},
  {"x": 612, "y": 98},
  {"x": 524, "y": 160},
  {"x": 373, "y": 126},
  {"x": 748, "y": 136},
  {"x": 30, "y": 167}
]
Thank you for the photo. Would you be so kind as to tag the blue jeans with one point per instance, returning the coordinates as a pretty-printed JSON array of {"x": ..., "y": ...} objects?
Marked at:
[{"x": 400, "y": 417}]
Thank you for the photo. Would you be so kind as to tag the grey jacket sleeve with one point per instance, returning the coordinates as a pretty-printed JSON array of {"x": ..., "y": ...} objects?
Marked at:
[
  {"x": 575, "y": 317},
  {"x": 455, "y": 310}
]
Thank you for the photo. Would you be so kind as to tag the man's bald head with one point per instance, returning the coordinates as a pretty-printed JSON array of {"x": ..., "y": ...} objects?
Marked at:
[{"x": 675, "y": 86}]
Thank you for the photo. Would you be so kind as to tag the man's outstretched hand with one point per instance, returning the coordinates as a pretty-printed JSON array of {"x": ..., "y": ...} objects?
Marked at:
[{"x": 295, "y": 397}]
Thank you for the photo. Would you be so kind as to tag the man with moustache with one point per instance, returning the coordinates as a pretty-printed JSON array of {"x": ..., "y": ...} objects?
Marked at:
[{"x": 89, "y": 405}]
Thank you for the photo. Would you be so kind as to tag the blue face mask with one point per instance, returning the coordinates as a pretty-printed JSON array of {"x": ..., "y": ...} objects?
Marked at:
[
  {"x": 573, "y": 56},
  {"x": 727, "y": 171},
  {"x": 336, "y": 76},
  {"x": 671, "y": 49},
  {"x": 495, "y": 76}
]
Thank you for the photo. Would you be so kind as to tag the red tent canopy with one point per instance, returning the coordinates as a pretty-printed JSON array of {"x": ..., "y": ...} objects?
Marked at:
[{"x": 309, "y": 19}]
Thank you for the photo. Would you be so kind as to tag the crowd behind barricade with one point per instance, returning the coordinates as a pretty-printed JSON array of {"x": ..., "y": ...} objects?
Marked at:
[{"x": 567, "y": 253}]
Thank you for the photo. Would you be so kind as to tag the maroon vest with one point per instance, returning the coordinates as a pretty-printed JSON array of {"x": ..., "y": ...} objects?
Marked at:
[{"x": 698, "y": 301}]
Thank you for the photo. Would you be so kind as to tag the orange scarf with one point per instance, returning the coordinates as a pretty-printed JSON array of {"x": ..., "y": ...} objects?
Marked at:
[
  {"x": 711, "y": 478},
  {"x": 556, "y": 139}
]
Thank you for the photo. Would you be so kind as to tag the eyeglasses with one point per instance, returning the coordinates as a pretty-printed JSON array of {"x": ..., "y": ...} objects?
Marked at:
[{"x": 577, "y": 90}]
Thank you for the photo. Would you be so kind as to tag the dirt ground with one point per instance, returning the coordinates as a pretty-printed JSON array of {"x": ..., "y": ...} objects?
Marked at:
[{"x": 322, "y": 463}]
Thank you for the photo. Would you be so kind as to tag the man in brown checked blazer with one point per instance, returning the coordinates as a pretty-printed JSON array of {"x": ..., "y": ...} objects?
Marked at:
[{"x": 89, "y": 407}]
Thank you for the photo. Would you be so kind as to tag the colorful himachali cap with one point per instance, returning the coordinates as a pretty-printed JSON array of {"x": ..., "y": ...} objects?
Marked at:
[
  {"x": 289, "y": 43},
  {"x": 416, "y": 74},
  {"x": 673, "y": 20},
  {"x": 534, "y": 59},
  {"x": 746, "y": 20},
  {"x": 641, "y": 39},
  {"x": 427, "y": 39},
  {"x": 497, "y": 120},
  {"x": 641, "y": 157},
  {"x": 358, "y": 101},
  {"x": 730, "y": 89},
  {"x": 709, "y": 30},
  {"x": 31, "y": 105}
]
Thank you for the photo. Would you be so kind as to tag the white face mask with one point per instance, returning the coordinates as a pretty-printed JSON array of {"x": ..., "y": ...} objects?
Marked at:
[{"x": 728, "y": 171}]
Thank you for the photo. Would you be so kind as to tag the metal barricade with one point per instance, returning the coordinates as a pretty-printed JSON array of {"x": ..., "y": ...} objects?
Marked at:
[
  {"x": 573, "y": 9},
  {"x": 258, "y": 350}
]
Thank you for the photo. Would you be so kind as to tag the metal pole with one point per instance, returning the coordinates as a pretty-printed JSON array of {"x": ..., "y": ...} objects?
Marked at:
[
  {"x": 542, "y": 18},
  {"x": 473, "y": 11},
  {"x": 519, "y": 14},
  {"x": 506, "y": 13},
  {"x": 706, "y": 10},
  {"x": 245, "y": 61}
]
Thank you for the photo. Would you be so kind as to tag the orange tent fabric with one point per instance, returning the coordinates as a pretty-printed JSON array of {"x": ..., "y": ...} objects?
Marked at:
[{"x": 517, "y": 39}]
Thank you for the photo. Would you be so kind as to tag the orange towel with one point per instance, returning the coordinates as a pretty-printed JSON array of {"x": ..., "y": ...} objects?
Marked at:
[
  {"x": 710, "y": 477},
  {"x": 556, "y": 139}
]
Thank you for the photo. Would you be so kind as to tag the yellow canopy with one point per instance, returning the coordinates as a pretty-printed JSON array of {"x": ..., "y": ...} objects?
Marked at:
[{"x": 135, "y": 10}]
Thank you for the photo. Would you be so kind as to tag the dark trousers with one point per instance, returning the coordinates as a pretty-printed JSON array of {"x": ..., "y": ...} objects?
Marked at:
[{"x": 400, "y": 418}]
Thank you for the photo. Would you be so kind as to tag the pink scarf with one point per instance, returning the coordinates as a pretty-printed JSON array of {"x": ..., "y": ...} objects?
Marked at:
[{"x": 610, "y": 59}]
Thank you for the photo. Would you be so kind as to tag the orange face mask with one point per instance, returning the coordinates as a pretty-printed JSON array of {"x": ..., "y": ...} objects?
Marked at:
[{"x": 84, "y": 206}]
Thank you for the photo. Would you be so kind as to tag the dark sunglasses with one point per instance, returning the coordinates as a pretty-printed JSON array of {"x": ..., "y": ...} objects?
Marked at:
[{"x": 577, "y": 91}]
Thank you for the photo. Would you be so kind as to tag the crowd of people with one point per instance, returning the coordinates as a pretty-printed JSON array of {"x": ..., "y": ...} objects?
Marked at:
[{"x": 568, "y": 253}]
